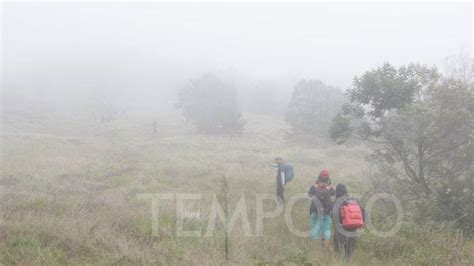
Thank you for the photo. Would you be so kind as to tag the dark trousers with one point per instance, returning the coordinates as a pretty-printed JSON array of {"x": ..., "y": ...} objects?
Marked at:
[
  {"x": 280, "y": 190},
  {"x": 343, "y": 244}
]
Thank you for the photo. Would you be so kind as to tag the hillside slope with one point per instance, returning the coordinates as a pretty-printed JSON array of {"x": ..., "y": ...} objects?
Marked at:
[{"x": 72, "y": 192}]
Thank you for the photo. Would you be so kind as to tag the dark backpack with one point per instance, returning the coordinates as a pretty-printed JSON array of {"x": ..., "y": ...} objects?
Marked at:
[
  {"x": 324, "y": 196},
  {"x": 289, "y": 173}
]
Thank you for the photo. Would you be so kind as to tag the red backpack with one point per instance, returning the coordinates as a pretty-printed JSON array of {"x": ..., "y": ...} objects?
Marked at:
[{"x": 351, "y": 215}]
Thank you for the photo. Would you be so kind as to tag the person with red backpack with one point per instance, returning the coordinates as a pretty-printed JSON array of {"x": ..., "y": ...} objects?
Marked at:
[
  {"x": 321, "y": 193},
  {"x": 348, "y": 216}
]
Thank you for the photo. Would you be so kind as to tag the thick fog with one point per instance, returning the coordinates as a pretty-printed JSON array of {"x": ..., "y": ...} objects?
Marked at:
[{"x": 139, "y": 54}]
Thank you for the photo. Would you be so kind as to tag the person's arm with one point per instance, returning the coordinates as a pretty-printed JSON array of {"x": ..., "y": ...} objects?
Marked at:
[
  {"x": 283, "y": 180},
  {"x": 336, "y": 214},
  {"x": 311, "y": 192}
]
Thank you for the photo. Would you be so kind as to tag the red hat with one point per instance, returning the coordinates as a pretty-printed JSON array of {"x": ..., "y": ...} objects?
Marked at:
[{"x": 324, "y": 173}]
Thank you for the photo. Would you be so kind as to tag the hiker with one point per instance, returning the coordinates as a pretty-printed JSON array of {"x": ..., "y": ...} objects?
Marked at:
[
  {"x": 280, "y": 179},
  {"x": 346, "y": 225},
  {"x": 321, "y": 193}
]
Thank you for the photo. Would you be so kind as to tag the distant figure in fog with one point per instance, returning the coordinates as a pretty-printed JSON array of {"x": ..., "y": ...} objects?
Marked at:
[
  {"x": 346, "y": 225},
  {"x": 321, "y": 193},
  {"x": 155, "y": 125}
]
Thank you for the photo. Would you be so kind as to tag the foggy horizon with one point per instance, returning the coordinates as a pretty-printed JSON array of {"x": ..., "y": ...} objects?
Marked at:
[{"x": 142, "y": 51}]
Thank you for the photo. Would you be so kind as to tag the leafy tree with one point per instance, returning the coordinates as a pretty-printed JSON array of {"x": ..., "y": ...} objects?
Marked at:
[
  {"x": 340, "y": 129},
  {"x": 421, "y": 126},
  {"x": 211, "y": 105},
  {"x": 460, "y": 67},
  {"x": 312, "y": 107},
  {"x": 381, "y": 92}
]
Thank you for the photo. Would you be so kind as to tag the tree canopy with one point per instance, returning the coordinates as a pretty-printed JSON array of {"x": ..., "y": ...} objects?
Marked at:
[
  {"x": 312, "y": 106},
  {"x": 420, "y": 125},
  {"x": 211, "y": 105}
]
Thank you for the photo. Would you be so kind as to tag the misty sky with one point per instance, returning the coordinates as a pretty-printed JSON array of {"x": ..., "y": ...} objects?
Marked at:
[{"x": 148, "y": 45}]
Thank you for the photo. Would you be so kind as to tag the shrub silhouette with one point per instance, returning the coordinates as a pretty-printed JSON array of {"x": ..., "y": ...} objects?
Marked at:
[{"x": 211, "y": 106}]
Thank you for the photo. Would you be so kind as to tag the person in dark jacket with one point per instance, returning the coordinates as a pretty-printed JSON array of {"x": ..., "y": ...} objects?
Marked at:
[
  {"x": 280, "y": 179},
  {"x": 344, "y": 239},
  {"x": 321, "y": 193}
]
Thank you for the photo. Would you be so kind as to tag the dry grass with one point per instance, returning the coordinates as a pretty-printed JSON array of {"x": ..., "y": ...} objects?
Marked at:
[{"x": 69, "y": 196}]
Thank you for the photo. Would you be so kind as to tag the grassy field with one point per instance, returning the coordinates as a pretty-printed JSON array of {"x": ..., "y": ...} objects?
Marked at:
[{"x": 70, "y": 193}]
